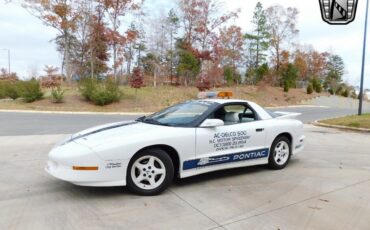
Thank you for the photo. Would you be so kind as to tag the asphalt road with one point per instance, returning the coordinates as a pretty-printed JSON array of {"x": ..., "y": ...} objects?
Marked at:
[
  {"x": 15, "y": 124},
  {"x": 327, "y": 186}
]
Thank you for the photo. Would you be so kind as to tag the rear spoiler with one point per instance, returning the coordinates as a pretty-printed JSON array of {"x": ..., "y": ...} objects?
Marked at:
[{"x": 286, "y": 115}]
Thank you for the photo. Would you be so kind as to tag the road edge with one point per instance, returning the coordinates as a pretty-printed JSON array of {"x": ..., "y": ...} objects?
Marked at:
[
  {"x": 318, "y": 123},
  {"x": 75, "y": 112},
  {"x": 129, "y": 113}
]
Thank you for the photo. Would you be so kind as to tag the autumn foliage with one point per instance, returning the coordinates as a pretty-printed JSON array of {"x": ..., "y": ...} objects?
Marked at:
[
  {"x": 137, "y": 79},
  {"x": 196, "y": 43}
]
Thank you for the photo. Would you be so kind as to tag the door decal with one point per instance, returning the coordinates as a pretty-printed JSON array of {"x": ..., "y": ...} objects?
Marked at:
[{"x": 223, "y": 159}]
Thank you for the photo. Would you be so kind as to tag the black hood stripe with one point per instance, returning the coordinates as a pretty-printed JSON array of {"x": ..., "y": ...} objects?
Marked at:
[{"x": 101, "y": 130}]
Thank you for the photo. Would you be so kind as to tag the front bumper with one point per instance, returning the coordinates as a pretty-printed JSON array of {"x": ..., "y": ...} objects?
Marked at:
[{"x": 63, "y": 158}]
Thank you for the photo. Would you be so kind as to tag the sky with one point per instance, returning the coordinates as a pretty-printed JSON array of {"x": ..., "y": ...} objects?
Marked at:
[{"x": 31, "y": 42}]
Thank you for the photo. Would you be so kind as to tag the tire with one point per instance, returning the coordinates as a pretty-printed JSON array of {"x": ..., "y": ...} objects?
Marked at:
[
  {"x": 150, "y": 172},
  {"x": 280, "y": 153}
]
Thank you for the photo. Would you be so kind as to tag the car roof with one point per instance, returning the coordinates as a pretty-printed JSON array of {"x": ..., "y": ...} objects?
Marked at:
[{"x": 223, "y": 101}]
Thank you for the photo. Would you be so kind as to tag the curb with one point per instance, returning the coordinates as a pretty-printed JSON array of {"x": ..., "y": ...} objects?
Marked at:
[
  {"x": 317, "y": 123},
  {"x": 297, "y": 106},
  {"x": 77, "y": 113},
  {"x": 129, "y": 113}
]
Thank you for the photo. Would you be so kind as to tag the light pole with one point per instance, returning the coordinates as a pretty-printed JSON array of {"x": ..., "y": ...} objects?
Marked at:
[
  {"x": 8, "y": 59},
  {"x": 363, "y": 63}
]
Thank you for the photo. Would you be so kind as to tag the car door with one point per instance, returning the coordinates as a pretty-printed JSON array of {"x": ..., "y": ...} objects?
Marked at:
[{"x": 240, "y": 139}]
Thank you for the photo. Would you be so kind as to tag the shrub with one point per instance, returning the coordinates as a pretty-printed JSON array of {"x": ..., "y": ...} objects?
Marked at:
[
  {"x": 309, "y": 89},
  {"x": 345, "y": 93},
  {"x": 316, "y": 85},
  {"x": 9, "y": 89},
  {"x": 30, "y": 90},
  {"x": 340, "y": 90},
  {"x": 13, "y": 90},
  {"x": 57, "y": 94},
  {"x": 2, "y": 90},
  {"x": 286, "y": 87},
  {"x": 100, "y": 93},
  {"x": 331, "y": 91},
  {"x": 203, "y": 83}
]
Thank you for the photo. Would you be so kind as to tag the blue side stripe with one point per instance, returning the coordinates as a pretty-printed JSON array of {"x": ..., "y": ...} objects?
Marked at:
[{"x": 224, "y": 159}]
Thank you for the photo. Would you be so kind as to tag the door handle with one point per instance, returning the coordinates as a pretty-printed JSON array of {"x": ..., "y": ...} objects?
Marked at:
[{"x": 260, "y": 130}]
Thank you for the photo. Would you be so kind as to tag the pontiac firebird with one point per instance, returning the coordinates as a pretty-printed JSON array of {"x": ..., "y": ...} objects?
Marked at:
[{"x": 184, "y": 140}]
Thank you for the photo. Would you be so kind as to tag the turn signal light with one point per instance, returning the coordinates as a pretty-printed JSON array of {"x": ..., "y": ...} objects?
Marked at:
[{"x": 85, "y": 168}]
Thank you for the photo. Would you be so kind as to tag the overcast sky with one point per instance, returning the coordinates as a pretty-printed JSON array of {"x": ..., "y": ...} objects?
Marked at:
[{"x": 32, "y": 47}]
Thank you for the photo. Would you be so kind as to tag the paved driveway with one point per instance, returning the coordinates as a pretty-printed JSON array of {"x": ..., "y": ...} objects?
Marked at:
[{"x": 326, "y": 187}]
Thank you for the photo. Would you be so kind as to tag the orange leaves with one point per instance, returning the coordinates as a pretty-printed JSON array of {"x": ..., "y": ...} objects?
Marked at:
[
  {"x": 131, "y": 35},
  {"x": 61, "y": 9},
  {"x": 231, "y": 43}
]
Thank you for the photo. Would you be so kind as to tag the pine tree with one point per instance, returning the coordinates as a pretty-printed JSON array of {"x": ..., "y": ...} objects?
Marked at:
[{"x": 259, "y": 37}]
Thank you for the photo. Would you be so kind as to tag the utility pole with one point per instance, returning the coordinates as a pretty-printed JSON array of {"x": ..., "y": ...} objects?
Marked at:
[
  {"x": 363, "y": 63},
  {"x": 8, "y": 59}
]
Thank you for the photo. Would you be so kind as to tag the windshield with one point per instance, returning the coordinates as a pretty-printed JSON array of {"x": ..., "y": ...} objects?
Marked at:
[{"x": 182, "y": 114}]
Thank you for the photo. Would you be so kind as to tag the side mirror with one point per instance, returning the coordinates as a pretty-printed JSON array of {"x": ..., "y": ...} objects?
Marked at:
[{"x": 212, "y": 123}]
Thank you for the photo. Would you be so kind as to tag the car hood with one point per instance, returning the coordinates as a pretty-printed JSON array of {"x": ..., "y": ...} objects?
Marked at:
[{"x": 103, "y": 134}]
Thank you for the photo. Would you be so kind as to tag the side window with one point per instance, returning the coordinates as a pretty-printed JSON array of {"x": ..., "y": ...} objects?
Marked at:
[
  {"x": 234, "y": 114},
  {"x": 248, "y": 116}
]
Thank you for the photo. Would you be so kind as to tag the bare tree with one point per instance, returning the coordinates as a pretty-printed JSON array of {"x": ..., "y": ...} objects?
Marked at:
[
  {"x": 61, "y": 15},
  {"x": 282, "y": 24}
]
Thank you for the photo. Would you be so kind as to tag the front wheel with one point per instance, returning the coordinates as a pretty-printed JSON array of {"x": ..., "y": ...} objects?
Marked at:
[
  {"x": 280, "y": 153},
  {"x": 150, "y": 172}
]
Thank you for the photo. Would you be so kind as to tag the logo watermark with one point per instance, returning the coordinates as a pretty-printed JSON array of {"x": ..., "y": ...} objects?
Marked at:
[{"x": 338, "y": 12}]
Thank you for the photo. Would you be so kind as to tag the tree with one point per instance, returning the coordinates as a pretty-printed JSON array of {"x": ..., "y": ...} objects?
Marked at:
[
  {"x": 229, "y": 75},
  {"x": 201, "y": 19},
  {"x": 232, "y": 42},
  {"x": 61, "y": 15},
  {"x": 51, "y": 70},
  {"x": 137, "y": 81},
  {"x": 98, "y": 44},
  {"x": 336, "y": 66},
  {"x": 4, "y": 75},
  {"x": 289, "y": 76},
  {"x": 127, "y": 47},
  {"x": 189, "y": 65},
  {"x": 80, "y": 46},
  {"x": 116, "y": 9},
  {"x": 173, "y": 26},
  {"x": 316, "y": 63},
  {"x": 300, "y": 61},
  {"x": 259, "y": 37},
  {"x": 282, "y": 28}
]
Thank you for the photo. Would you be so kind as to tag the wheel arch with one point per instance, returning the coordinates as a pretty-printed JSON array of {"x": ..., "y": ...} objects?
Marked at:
[
  {"x": 171, "y": 151},
  {"x": 287, "y": 135}
]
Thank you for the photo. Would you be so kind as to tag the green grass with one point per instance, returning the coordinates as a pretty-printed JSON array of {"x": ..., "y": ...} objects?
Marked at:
[{"x": 351, "y": 121}]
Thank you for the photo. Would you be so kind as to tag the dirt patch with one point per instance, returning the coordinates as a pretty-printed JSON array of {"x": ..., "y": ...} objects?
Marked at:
[{"x": 151, "y": 99}]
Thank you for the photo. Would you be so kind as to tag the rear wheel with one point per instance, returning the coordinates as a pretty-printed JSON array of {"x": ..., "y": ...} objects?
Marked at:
[
  {"x": 280, "y": 153},
  {"x": 150, "y": 172}
]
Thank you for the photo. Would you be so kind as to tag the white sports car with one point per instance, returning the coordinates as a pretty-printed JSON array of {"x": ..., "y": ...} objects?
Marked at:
[{"x": 186, "y": 139}]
